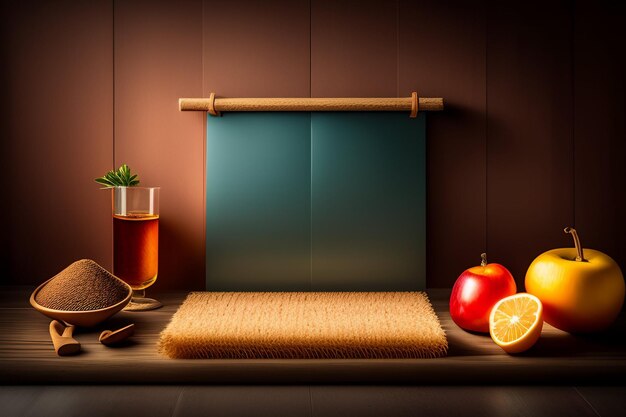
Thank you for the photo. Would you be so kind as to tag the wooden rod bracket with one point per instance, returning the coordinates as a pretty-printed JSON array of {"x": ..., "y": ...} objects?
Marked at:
[
  {"x": 414, "y": 105},
  {"x": 211, "y": 109}
]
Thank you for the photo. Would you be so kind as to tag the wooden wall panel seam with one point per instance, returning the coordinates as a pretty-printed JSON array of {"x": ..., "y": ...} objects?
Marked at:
[
  {"x": 158, "y": 57},
  {"x": 530, "y": 174},
  {"x": 442, "y": 49},
  {"x": 599, "y": 130},
  {"x": 52, "y": 212}
]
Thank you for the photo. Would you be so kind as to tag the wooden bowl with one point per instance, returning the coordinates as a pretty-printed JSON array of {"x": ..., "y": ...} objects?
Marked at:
[{"x": 87, "y": 318}]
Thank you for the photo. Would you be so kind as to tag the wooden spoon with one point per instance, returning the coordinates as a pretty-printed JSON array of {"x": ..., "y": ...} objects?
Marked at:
[
  {"x": 64, "y": 343},
  {"x": 109, "y": 337}
]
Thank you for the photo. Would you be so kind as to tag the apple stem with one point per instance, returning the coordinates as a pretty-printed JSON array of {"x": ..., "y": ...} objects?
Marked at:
[
  {"x": 579, "y": 247},
  {"x": 483, "y": 259}
]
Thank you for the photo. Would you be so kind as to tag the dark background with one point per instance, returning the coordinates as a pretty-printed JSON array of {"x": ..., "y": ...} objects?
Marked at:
[{"x": 532, "y": 138}]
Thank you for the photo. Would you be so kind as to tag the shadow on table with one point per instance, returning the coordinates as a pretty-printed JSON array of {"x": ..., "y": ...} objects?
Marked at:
[
  {"x": 608, "y": 343},
  {"x": 552, "y": 343}
]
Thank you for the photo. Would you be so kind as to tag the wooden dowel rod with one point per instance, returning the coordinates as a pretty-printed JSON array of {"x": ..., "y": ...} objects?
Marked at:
[{"x": 309, "y": 104}]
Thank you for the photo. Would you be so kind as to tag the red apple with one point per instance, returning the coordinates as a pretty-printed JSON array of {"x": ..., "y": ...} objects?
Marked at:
[{"x": 475, "y": 293}]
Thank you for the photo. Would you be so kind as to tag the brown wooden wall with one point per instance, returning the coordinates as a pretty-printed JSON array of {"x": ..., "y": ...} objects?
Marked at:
[{"x": 532, "y": 138}]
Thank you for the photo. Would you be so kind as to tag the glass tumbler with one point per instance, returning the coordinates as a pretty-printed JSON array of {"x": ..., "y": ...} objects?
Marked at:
[{"x": 136, "y": 241}]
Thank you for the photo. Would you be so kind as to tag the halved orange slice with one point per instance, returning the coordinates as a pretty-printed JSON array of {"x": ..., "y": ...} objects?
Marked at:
[{"x": 516, "y": 321}]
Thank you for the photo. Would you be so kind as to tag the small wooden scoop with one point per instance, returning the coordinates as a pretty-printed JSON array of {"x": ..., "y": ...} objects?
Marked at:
[
  {"x": 109, "y": 338},
  {"x": 64, "y": 343}
]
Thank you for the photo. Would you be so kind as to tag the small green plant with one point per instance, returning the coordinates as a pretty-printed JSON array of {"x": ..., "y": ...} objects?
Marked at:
[{"x": 120, "y": 178}]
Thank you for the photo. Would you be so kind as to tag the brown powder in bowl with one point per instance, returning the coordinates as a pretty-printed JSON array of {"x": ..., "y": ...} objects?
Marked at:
[{"x": 82, "y": 286}]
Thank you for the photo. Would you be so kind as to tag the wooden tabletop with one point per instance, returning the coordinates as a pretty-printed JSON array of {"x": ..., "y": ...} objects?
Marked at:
[{"x": 27, "y": 355}]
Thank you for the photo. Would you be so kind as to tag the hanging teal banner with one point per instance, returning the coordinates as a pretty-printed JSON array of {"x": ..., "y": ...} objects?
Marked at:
[{"x": 323, "y": 201}]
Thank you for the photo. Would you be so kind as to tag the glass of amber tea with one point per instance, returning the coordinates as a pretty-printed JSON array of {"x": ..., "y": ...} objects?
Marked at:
[{"x": 136, "y": 241}]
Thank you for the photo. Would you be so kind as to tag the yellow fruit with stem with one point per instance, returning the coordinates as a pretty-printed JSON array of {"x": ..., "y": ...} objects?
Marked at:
[{"x": 581, "y": 290}]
